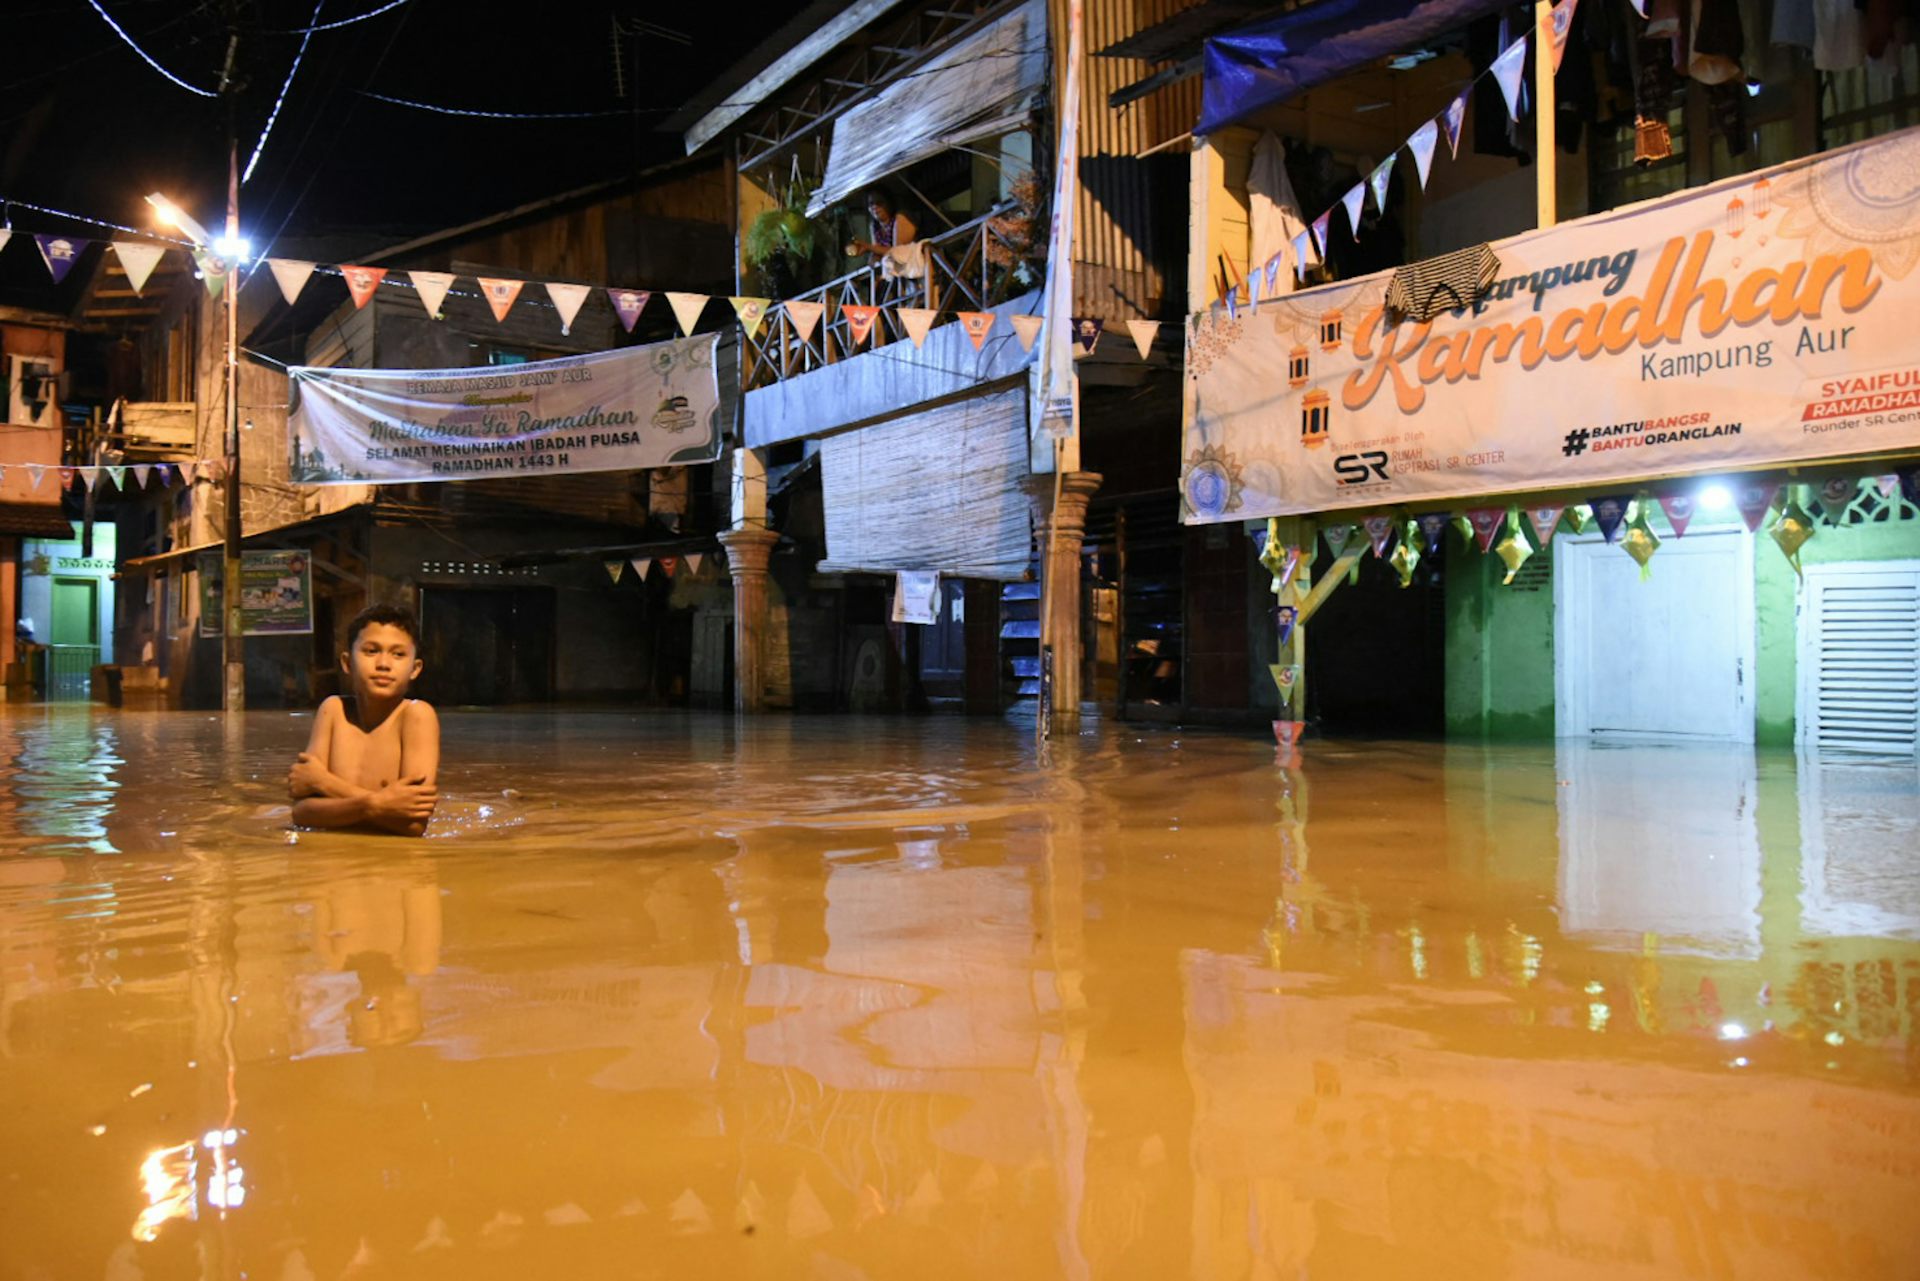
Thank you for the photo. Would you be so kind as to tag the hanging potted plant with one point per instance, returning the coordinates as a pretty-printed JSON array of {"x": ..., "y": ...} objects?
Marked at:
[{"x": 782, "y": 243}]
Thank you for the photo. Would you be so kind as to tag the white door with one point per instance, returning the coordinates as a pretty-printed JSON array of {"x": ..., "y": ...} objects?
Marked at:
[{"x": 1670, "y": 657}]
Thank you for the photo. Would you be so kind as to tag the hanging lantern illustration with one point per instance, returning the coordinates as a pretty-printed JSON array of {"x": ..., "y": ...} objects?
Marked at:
[
  {"x": 1297, "y": 367},
  {"x": 1330, "y": 335},
  {"x": 1736, "y": 217},
  {"x": 1762, "y": 198},
  {"x": 1314, "y": 413}
]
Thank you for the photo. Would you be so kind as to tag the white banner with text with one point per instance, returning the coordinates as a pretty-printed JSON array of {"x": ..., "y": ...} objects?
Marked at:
[
  {"x": 1762, "y": 320},
  {"x": 635, "y": 407}
]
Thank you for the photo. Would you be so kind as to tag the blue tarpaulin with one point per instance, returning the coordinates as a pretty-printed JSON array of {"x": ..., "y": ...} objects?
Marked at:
[{"x": 1271, "y": 61}]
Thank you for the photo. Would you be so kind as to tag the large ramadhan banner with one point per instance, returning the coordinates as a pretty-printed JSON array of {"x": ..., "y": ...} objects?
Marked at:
[
  {"x": 651, "y": 406},
  {"x": 1762, "y": 320}
]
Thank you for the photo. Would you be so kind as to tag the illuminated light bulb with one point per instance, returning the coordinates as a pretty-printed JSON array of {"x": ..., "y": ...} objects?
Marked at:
[
  {"x": 1715, "y": 498},
  {"x": 233, "y": 248},
  {"x": 1732, "y": 1032}
]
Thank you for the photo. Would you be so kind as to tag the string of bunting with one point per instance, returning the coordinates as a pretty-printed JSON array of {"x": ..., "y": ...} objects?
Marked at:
[
  {"x": 138, "y": 258},
  {"x": 1310, "y": 245},
  {"x": 1622, "y": 519},
  {"x": 141, "y": 475}
]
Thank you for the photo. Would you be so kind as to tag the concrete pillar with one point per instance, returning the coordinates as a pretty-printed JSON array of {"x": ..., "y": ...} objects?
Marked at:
[
  {"x": 748, "y": 550},
  {"x": 1060, "y": 565}
]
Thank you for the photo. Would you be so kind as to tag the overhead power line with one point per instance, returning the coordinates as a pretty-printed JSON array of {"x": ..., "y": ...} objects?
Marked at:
[
  {"x": 317, "y": 25},
  {"x": 274, "y": 115},
  {"x": 120, "y": 31}
]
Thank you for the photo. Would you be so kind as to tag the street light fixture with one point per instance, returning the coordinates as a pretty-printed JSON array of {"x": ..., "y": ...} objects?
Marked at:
[{"x": 229, "y": 251}]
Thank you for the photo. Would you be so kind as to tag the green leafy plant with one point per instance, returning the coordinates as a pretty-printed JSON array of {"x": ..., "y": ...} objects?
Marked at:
[{"x": 782, "y": 243}]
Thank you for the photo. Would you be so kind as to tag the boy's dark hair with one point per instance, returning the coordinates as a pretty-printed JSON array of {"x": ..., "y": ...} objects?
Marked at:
[{"x": 392, "y": 615}]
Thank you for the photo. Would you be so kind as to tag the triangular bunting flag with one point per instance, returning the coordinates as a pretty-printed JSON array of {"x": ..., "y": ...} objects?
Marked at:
[
  {"x": 66, "y": 479},
  {"x": 1835, "y": 494},
  {"x": 641, "y": 564},
  {"x": 694, "y": 561},
  {"x": 804, "y": 317},
  {"x": 1356, "y": 202},
  {"x": 752, "y": 313},
  {"x": 432, "y": 287},
  {"x": 138, "y": 259},
  {"x": 1421, "y": 144},
  {"x": 141, "y": 473},
  {"x": 1559, "y": 23},
  {"x": 687, "y": 309},
  {"x": 1679, "y": 510},
  {"x": 1377, "y": 181},
  {"x": 1304, "y": 255},
  {"x": 1320, "y": 228},
  {"x": 1508, "y": 71},
  {"x": 1144, "y": 332},
  {"x": 1889, "y": 485},
  {"x": 291, "y": 276},
  {"x": 1486, "y": 522},
  {"x": 1232, "y": 300},
  {"x": 1608, "y": 514},
  {"x": 187, "y": 470},
  {"x": 669, "y": 564},
  {"x": 1087, "y": 329},
  {"x": 1027, "y": 328},
  {"x": 118, "y": 475},
  {"x": 567, "y": 301},
  {"x": 1271, "y": 274},
  {"x": 500, "y": 295},
  {"x": 163, "y": 473},
  {"x": 1286, "y": 678},
  {"x": 1288, "y": 733},
  {"x": 1379, "y": 533},
  {"x": 916, "y": 321},
  {"x": 36, "y": 472},
  {"x": 1285, "y": 619},
  {"x": 213, "y": 272},
  {"x": 1753, "y": 500},
  {"x": 1545, "y": 520},
  {"x": 859, "y": 319},
  {"x": 628, "y": 304},
  {"x": 60, "y": 253},
  {"x": 613, "y": 568},
  {"x": 362, "y": 281},
  {"x": 1337, "y": 536},
  {"x": 1454, "y": 119},
  {"x": 1432, "y": 526}
]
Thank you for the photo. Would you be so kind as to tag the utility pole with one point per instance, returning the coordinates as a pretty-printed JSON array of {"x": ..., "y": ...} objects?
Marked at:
[{"x": 233, "y": 642}]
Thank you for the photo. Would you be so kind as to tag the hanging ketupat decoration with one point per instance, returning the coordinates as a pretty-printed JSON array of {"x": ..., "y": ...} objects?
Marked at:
[
  {"x": 1791, "y": 530},
  {"x": 1641, "y": 542},
  {"x": 1514, "y": 549},
  {"x": 1407, "y": 554}
]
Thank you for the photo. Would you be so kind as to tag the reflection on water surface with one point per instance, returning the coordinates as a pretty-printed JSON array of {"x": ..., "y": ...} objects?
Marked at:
[{"x": 670, "y": 996}]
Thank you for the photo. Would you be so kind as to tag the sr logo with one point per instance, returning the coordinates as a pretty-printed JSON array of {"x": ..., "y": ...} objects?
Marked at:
[{"x": 1359, "y": 469}]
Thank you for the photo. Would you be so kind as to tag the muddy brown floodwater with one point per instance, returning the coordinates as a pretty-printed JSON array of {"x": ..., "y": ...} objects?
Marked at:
[{"x": 668, "y": 996}]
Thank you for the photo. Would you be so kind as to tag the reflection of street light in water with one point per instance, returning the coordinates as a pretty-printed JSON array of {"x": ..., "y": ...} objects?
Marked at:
[{"x": 222, "y": 256}]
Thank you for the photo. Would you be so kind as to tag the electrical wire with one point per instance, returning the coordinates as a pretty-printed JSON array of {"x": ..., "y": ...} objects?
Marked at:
[
  {"x": 94, "y": 222},
  {"x": 147, "y": 57},
  {"x": 491, "y": 115},
  {"x": 317, "y": 25},
  {"x": 274, "y": 115}
]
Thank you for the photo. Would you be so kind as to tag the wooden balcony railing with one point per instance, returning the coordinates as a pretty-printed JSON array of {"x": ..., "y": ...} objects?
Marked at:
[{"x": 969, "y": 268}]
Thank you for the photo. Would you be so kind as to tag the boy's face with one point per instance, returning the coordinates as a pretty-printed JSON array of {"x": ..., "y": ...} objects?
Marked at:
[{"x": 382, "y": 661}]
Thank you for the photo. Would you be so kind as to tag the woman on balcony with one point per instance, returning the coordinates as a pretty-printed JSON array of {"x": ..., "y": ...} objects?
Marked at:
[{"x": 901, "y": 256}]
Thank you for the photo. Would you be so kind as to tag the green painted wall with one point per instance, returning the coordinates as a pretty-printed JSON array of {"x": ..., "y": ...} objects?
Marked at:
[
  {"x": 1776, "y": 600},
  {"x": 1499, "y": 645},
  {"x": 1500, "y": 640}
]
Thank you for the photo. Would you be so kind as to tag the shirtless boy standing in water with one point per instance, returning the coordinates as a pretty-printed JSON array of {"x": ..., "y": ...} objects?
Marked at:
[{"x": 374, "y": 753}]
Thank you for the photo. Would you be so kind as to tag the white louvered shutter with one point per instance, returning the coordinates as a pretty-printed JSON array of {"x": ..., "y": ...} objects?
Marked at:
[{"x": 1859, "y": 686}]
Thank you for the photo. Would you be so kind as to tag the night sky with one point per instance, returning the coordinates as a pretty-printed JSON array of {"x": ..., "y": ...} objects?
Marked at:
[{"x": 87, "y": 126}]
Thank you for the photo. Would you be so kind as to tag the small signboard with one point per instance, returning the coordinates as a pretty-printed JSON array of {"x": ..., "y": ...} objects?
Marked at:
[{"x": 276, "y": 593}]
